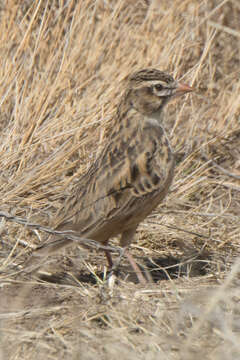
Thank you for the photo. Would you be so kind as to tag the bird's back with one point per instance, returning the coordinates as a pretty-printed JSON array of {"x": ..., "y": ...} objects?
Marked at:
[{"x": 124, "y": 184}]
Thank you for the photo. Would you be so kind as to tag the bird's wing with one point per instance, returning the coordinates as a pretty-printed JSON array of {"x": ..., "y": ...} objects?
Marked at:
[{"x": 115, "y": 186}]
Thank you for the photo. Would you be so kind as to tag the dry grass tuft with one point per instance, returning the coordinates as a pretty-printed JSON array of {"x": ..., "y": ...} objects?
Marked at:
[{"x": 62, "y": 66}]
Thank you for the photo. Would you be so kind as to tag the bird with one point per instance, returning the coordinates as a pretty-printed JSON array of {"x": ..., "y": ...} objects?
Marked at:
[{"x": 133, "y": 172}]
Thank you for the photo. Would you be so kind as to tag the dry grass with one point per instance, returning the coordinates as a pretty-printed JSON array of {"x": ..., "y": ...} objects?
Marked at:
[{"x": 61, "y": 69}]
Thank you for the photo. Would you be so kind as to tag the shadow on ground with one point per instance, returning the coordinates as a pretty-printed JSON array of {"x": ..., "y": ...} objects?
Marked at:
[{"x": 155, "y": 269}]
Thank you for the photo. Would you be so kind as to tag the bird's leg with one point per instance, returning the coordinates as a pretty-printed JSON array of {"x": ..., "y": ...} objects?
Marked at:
[
  {"x": 135, "y": 267},
  {"x": 113, "y": 266},
  {"x": 126, "y": 239},
  {"x": 131, "y": 260},
  {"x": 109, "y": 258}
]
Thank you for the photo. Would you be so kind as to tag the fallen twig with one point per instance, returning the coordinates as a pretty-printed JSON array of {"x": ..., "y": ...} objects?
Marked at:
[{"x": 63, "y": 234}]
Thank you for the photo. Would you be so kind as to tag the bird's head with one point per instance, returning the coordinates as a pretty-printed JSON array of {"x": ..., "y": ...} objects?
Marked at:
[{"x": 150, "y": 89}]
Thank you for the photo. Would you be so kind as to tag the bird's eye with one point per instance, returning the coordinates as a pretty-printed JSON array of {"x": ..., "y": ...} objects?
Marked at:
[{"x": 158, "y": 87}]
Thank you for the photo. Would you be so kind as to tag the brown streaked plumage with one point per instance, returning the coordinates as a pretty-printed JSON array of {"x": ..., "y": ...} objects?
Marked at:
[{"x": 132, "y": 174}]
